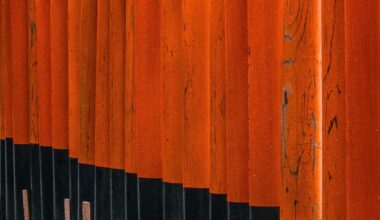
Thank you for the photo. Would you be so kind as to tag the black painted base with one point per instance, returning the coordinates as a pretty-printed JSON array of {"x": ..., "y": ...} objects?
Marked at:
[
  {"x": 118, "y": 194},
  {"x": 197, "y": 205},
  {"x": 22, "y": 174},
  {"x": 151, "y": 195},
  {"x": 237, "y": 211},
  {"x": 173, "y": 201},
  {"x": 131, "y": 195},
  {"x": 47, "y": 182},
  {"x": 61, "y": 181},
  {"x": 9, "y": 182},
  {"x": 87, "y": 187},
  {"x": 265, "y": 213},
  {"x": 36, "y": 194},
  {"x": 2, "y": 179},
  {"x": 103, "y": 193},
  {"x": 218, "y": 206},
  {"x": 74, "y": 189},
  {"x": 113, "y": 194}
]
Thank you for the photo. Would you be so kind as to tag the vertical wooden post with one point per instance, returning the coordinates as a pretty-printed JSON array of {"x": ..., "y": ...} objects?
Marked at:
[
  {"x": 265, "y": 35},
  {"x": 301, "y": 122},
  {"x": 196, "y": 158},
  {"x": 173, "y": 106},
  {"x": 237, "y": 107},
  {"x": 334, "y": 110},
  {"x": 362, "y": 68},
  {"x": 86, "y": 211},
  {"x": 25, "y": 203},
  {"x": 67, "y": 209}
]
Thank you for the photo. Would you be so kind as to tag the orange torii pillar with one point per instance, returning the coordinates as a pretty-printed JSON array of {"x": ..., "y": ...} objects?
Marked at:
[
  {"x": 196, "y": 157},
  {"x": 148, "y": 95},
  {"x": 35, "y": 196},
  {"x": 87, "y": 72},
  {"x": 117, "y": 106},
  {"x": 362, "y": 68},
  {"x": 102, "y": 113},
  {"x": 20, "y": 116},
  {"x": 44, "y": 105},
  {"x": 4, "y": 70},
  {"x": 6, "y": 106},
  {"x": 301, "y": 116},
  {"x": 237, "y": 108},
  {"x": 74, "y": 35},
  {"x": 59, "y": 102},
  {"x": 265, "y": 34},
  {"x": 130, "y": 122},
  {"x": 334, "y": 111},
  {"x": 218, "y": 176},
  {"x": 173, "y": 104}
]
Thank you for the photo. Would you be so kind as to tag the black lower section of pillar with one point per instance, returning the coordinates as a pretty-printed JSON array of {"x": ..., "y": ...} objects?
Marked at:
[
  {"x": 218, "y": 206},
  {"x": 22, "y": 174},
  {"x": 61, "y": 181},
  {"x": 238, "y": 211},
  {"x": 103, "y": 193},
  {"x": 151, "y": 195},
  {"x": 47, "y": 182},
  {"x": 9, "y": 184},
  {"x": 265, "y": 213},
  {"x": 173, "y": 201},
  {"x": 36, "y": 195},
  {"x": 2, "y": 179},
  {"x": 74, "y": 189},
  {"x": 197, "y": 204},
  {"x": 118, "y": 194},
  {"x": 87, "y": 186},
  {"x": 131, "y": 195}
]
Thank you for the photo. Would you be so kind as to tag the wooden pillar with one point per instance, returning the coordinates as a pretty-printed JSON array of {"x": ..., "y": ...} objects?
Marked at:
[{"x": 301, "y": 106}]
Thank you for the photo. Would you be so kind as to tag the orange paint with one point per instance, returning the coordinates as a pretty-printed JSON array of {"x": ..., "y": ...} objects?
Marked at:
[
  {"x": 218, "y": 182},
  {"x": 334, "y": 111},
  {"x": 265, "y": 34},
  {"x": 19, "y": 70},
  {"x": 362, "y": 48},
  {"x": 237, "y": 100},
  {"x": 5, "y": 73},
  {"x": 301, "y": 106},
  {"x": 102, "y": 110},
  {"x": 148, "y": 88},
  {"x": 87, "y": 71},
  {"x": 196, "y": 36},
  {"x": 32, "y": 74},
  {"x": 173, "y": 85},
  {"x": 116, "y": 86},
  {"x": 43, "y": 71},
  {"x": 74, "y": 23},
  {"x": 130, "y": 123},
  {"x": 59, "y": 70}
]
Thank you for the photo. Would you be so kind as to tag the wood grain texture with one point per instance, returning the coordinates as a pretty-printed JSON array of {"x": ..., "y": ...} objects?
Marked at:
[
  {"x": 59, "y": 76},
  {"x": 19, "y": 70},
  {"x": 334, "y": 111},
  {"x": 173, "y": 140},
  {"x": 148, "y": 93},
  {"x": 265, "y": 34},
  {"x": 102, "y": 91},
  {"x": 218, "y": 181},
  {"x": 130, "y": 89},
  {"x": 301, "y": 116},
  {"x": 74, "y": 42},
  {"x": 196, "y": 36},
  {"x": 87, "y": 70},
  {"x": 363, "y": 106},
  {"x": 43, "y": 72}
]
